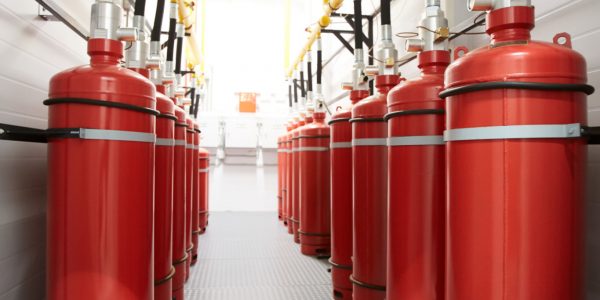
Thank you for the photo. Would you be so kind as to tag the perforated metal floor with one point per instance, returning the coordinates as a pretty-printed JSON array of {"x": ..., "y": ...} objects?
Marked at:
[{"x": 250, "y": 256}]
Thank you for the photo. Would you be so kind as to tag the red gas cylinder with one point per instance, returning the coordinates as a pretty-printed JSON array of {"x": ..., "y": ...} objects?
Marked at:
[
  {"x": 189, "y": 191},
  {"x": 313, "y": 150},
  {"x": 341, "y": 198},
  {"x": 163, "y": 204},
  {"x": 280, "y": 168},
  {"x": 196, "y": 195},
  {"x": 516, "y": 165},
  {"x": 286, "y": 174},
  {"x": 179, "y": 242},
  {"x": 417, "y": 195},
  {"x": 304, "y": 119},
  {"x": 99, "y": 230},
  {"x": 281, "y": 160},
  {"x": 203, "y": 169},
  {"x": 290, "y": 178},
  {"x": 369, "y": 164}
]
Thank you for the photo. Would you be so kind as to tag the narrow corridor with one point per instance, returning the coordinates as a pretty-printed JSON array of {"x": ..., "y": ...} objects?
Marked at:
[{"x": 250, "y": 256}]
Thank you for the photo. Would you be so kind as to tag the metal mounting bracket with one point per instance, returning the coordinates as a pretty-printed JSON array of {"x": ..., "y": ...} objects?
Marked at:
[
  {"x": 34, "y": 135},
  {"x": 51, "y": 11},
  {"x": 592, "y": 134}
]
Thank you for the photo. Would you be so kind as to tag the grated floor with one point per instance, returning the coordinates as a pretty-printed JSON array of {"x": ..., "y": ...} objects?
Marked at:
[{"x": 250, "y": 256}]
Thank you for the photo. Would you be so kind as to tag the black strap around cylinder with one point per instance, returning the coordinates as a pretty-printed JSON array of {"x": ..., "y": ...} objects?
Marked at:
[
  {"x": 542, "y": 86},
  {"x": 414, "y": 112},
  {"x": 104, "y": 103}
]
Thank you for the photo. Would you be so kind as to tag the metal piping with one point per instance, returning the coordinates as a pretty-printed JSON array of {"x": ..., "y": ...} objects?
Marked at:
[
  {"x": 194, "y": 56},
  {"x": 315, "y": 31}
]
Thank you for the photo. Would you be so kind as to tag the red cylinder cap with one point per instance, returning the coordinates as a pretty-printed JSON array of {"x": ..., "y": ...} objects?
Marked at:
[
  {"x": 433, "y": 58},
  {"x": 387, "y": 81},
  {"x": 357, "y": 95},
  {"x": 510, "y": 23},
  {"x": 319, "y": 116},
  {"x": 106, "y": 47}
]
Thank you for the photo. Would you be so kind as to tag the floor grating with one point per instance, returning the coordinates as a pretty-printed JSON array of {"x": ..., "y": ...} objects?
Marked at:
[{"x": 250, "y": 256}]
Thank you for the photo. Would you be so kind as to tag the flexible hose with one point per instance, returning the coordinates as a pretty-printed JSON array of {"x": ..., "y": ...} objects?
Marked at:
[
  {"x": 385, "y": 12},
  {"x": 158, "y": 17},
  {"x": 140, "y": 6},
  {"x": 302, "y": 90},
  {"x": 309, "y": 70},
  {"x": 319, "y": 65},
  {"x": 197, "y": 106},
  {"x": 290, "y": 94},
  {"x": 178, "y": 56},
  {"x": 193, "y": 97},
  {"x": 295, "y": 90},
  {"x": 172, "y": 37},
  {"x": 358, "y": 25}
]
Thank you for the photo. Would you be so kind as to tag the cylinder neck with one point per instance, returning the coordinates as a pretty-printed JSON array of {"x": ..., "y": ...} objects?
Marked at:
[
  {"x": 511, "y": 24},
  {"x": 309, "y": 119},
  {"x": 143, "y": 72},
  {"x": 319, "y": 117},
  {"x": 434, "y": 62},
  {"x": 384, "y": 83},
  {"x": 105, "y": 51},
  {"x": 161, "y": 89},
  {"x": 357, "y": 95}
]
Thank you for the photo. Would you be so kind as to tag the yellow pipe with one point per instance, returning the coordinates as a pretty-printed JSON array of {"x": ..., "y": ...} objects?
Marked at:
[
  {"x": 315, "y": 31},
  {"x": 187, "y": 15}
]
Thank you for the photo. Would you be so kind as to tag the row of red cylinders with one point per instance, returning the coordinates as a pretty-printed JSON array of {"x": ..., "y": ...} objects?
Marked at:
[
  {"x": 303, "y": 176},
  {"x": 128, "y": 197},
  {"x": 415, "y": 216}
]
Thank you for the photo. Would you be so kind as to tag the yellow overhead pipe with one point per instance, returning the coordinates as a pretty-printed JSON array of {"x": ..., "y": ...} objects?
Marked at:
[
  {"x": 315, "y": 31},
  {"x": 187, "y": 16}
]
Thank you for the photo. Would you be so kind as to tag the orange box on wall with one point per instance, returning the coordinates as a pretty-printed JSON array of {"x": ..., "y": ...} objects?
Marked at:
[{"x": 247, "y": 102}]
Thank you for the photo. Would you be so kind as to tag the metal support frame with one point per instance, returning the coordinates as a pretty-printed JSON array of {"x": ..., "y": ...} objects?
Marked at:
[
  {"x": 61, "y": 15},
  {"x": 34, "y": 135},
  {"x": 592, "y": 134},
  {"x": 367, "y": 39}
]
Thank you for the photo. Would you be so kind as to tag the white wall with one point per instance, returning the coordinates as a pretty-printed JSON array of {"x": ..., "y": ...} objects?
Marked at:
[
  {"x": 577, "y": 17},
  {"x": 31, "y": 50}
]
